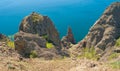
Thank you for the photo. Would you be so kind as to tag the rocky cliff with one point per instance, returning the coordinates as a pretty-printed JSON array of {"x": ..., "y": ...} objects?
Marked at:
[
  {"x": 105, "y": 31},
  {"x": 37, "y": 35}
]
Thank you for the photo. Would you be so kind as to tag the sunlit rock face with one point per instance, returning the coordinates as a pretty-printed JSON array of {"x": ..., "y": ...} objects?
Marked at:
[
  {"x": 105, "y": 31},
  {"x": 37, "y": 33},
  {"x": 40, "y": 25}
]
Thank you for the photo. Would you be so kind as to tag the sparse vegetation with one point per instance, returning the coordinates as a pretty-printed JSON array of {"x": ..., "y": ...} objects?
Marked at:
[
  {"x": 118, "y": 42},
  {"x": 45, "y": 37},
  {"x": 33, "y": 54},
  {"x": 37, "y": 34},
  {"x": 36, "y": 17},
  {"x": 113, "y": 55},
  {"x": 10, "y": 43},
  {"x": 11, "y": 67},
  {"x": 115, "y": 65},
  {"x": 89, "y": 53},
  {"x": 49, "y": 45}
]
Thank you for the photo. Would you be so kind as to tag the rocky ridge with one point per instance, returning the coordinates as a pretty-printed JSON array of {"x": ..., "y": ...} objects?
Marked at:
[{"x": 104, "y": 33}]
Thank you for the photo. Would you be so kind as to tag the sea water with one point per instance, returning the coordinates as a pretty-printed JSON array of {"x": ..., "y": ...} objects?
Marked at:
[{"x": 80, "y": 15}]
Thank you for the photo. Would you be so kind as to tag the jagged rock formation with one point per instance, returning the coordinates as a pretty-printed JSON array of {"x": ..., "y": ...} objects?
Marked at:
[
  {"x": 35, "y": 32},
  {"x": 68, "y": 39},
  {"x": 42, "y": 26},
  {"x": 105, "y": 31}
]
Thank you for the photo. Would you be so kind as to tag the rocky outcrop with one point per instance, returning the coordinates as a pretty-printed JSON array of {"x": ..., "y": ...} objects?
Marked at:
[
  {"x": 42, "y": 26},
  {"x": 25, "y": 43},
  {"x": 35, "y": 33},
  {"x": 105, "y": 31},
  {"x": 3, "y": 38},
  {"x": 68, "y": 39}
]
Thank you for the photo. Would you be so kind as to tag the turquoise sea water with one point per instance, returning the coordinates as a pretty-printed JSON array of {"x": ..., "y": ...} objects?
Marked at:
[{"x": 80, "y": 15}]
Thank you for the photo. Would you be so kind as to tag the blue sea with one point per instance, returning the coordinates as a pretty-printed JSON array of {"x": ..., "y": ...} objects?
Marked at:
[{"x": 80, "y": 15}]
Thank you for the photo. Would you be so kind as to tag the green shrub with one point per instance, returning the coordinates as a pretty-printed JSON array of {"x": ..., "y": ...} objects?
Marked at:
[
  {"x": 118, "y": 42},
  {"x": 49, "y": 45},
  {"x": 113, "y": 55},
  {"x": 10, "y": 44},
  {"x": 33, "y": 54},
  {"x": 115, "y": 65},
  {"x": 89, "y": 53},
  {"x": 45, "y": 37},
  {"x": 36, "y": 17},
  {"x": 10, "y": 41}
]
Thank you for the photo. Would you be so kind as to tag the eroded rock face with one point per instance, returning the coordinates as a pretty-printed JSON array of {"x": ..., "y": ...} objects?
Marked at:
[
  {"x": 68, "y": 39},
  {"x": 26, "y": 42},
  {"x": 42, "y": 26},
  {"x": 35, "y": 32},
  {"x": 106, "y": 30}
]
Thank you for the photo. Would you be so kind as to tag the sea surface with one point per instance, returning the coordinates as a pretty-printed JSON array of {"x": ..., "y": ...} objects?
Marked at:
[{"x": 80, "y": 15}]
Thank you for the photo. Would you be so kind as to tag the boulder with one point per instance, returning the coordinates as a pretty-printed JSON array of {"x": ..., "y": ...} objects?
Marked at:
[{"x": 26, "y": 42}]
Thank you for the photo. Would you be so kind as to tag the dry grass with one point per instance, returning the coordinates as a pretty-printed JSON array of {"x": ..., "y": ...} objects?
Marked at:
[{"x": 68, "y": 64}]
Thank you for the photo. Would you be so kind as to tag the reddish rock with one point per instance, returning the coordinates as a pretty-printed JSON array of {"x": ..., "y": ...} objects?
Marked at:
[{"x": 68, "y": 39}]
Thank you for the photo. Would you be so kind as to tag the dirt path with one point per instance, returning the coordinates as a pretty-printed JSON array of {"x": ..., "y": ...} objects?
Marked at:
[{"x": 13, "y": 64}]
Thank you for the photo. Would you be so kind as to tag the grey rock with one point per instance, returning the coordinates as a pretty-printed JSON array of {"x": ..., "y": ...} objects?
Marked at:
[
  {"x": 26, "y": 42},
  {"x": 105, "y": 31},
  {"x": 42, "y": 26},
  {"x": 35, "y": 32}
]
